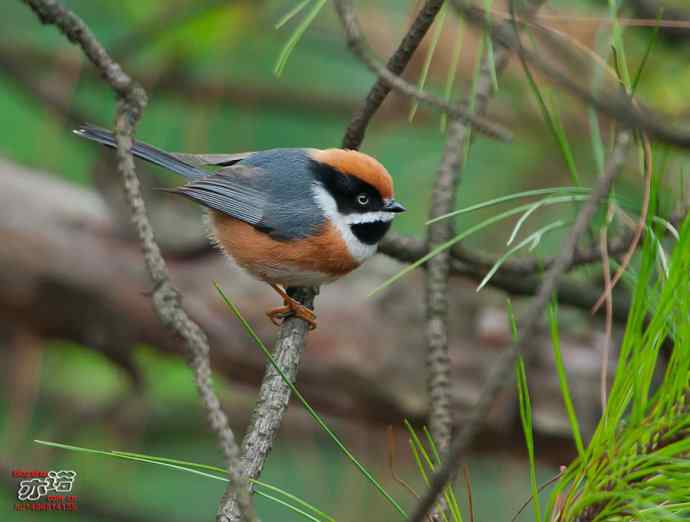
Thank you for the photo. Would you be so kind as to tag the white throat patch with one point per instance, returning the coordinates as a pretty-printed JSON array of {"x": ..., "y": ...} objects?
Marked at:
[{"x": 358, "y": 250}]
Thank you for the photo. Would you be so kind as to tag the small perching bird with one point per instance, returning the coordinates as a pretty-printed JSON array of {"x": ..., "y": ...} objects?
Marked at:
[{"x": 290, "y": 217}]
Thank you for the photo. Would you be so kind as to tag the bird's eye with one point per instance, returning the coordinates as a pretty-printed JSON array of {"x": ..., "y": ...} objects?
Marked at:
[{"x": 363, "y": 200}]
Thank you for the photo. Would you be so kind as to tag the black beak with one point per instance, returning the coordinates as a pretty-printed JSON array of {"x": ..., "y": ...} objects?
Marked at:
[{"x": 393, "y": 206}]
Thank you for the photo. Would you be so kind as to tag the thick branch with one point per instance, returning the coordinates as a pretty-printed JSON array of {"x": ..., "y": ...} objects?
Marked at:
[
  {"x": 272, "y": 403},
  {"x": 131, "y": 102}
]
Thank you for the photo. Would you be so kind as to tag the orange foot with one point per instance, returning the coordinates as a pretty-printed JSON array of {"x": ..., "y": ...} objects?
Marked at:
[{"x": 291, "y": 308}]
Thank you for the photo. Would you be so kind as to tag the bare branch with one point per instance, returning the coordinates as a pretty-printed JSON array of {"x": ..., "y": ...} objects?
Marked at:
[
  {"x": 573, "y": 70},
  {"x": 357, "y": 44},
  {"x": 354, "y": 135},
  {"x": 437, "y": 275},
  {"x": 529, "y": 325},
  {"x": 272, "y": 403},
  {"x": 409, "y": 249},
  {"x": 166, "y": 300}
]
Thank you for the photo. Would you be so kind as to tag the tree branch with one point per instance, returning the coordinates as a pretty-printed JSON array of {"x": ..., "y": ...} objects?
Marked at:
[
  {"x": 166, "y": 300},
  {"x": 354, "y": 135},
  {"x": 102, "y": 305},
  {"x": 439, "y": 266},
  {"x": 272, "y": 403},
  {"x": 358, "y": 45},
  {"x": 572, "y": 68},
  {"x": 529, "y": 324}
]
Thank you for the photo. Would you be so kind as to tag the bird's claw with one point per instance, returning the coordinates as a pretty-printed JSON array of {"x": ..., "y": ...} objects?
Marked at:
[{"x": 292, "y": 308}]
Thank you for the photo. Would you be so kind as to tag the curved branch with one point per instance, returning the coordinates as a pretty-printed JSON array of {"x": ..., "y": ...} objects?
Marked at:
[
  {"x": 357, "y": 44},
  {"x": 166, "y": 299}
]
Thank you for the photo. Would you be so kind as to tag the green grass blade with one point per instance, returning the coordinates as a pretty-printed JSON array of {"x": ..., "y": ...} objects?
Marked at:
[
  {"x": 554, "y": 124},
  {"x": 618, "y": 46},
  {"x": 439, "y": 21},
  {"x": 453, "y": 69},
  {"x": 648, "y": 51},
  {"x": 420, "y": 456},
  {"x": 291, "y": 14},
  {"x": 315, "y": 416},
  {"x": 465, "y": 233},
  {"x": 296, "y": 36},
  {"x": 451, "y": 498},
  {"x": 597, "y": 141},
  {"x": 533, "y": 238},
  {"x": 218, "y": 469},
  {"x": 490, "y": 46},
  {"x": 288, "y": 506},
  {"x": 193, "y": 467},
  {"x": 563, "y": 379},
  {"x": 526, "y": 419},
  {"x": 512, "y": 197}
]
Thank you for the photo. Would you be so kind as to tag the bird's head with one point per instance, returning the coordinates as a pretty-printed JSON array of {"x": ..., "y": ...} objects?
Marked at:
[{"x": 356, "y": 193}]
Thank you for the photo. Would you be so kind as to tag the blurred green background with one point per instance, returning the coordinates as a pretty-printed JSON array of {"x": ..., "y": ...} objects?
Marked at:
[{"x": 209, "y": 75}]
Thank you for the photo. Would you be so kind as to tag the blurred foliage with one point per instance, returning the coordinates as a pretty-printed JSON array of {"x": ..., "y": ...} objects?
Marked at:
[{"x": 235, "y": 42}]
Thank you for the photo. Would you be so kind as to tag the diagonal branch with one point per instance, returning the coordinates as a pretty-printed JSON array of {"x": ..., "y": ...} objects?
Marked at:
[
  {"x": 166, "y": 299},
  {"x": 354, "y": 135},
  {"x": 272, "y": 403},
  {"x": 571, "y": 67},
  {"x": 529, "y": 325},
  {"x": 357, "y": 44}
]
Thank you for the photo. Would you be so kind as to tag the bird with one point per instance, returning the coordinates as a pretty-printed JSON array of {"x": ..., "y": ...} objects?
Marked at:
[{"x": 290, "y": 217}]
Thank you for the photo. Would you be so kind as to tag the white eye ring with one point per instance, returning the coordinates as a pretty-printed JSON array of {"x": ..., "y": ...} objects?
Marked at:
[{"x": 363, "y": 199}]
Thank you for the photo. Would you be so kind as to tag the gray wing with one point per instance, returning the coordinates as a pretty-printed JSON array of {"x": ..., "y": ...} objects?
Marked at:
[
  {"x": 217, "y": 160},
  {"x": 238, "y": 191}
]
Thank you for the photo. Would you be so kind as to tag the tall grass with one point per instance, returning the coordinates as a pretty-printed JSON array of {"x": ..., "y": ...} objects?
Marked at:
[{"x": 637, "y": 463}]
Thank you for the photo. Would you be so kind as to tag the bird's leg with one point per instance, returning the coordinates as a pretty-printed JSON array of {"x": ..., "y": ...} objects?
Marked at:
[{"x": 291, "y": 307}]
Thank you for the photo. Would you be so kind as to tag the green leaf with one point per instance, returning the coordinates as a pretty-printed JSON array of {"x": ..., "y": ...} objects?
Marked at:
[
  {"x": 296, "y": 37},
  {"x": 193, "y": 467},
  {"x": 439, "y": 21},
  {"x": 526, "y": 419}
]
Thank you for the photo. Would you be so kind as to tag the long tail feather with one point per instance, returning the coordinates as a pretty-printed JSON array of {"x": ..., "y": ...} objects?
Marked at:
[{"x": 143, "y": 151}]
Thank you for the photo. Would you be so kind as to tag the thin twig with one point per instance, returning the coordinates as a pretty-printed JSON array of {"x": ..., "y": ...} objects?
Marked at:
[
  {"x": 500, "y": 376},
  {"x": 639, "y": 229},
  {"x": 358, "y": 45},
  {"x": 570, "y": 66},
  {"x": 391, "y": 464},
  {"x": 518, "y": 283},
  {"x": 166, "y": 300},
  {"x": 539, "y": 490},
  {"x": 603, "y": 381},
  {"x": 354, "y": 135},
  {"x": 409, "y": 249}
]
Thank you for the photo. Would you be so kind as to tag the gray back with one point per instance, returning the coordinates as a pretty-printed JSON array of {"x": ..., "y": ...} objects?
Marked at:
[{"x": 285, "y": 177}]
